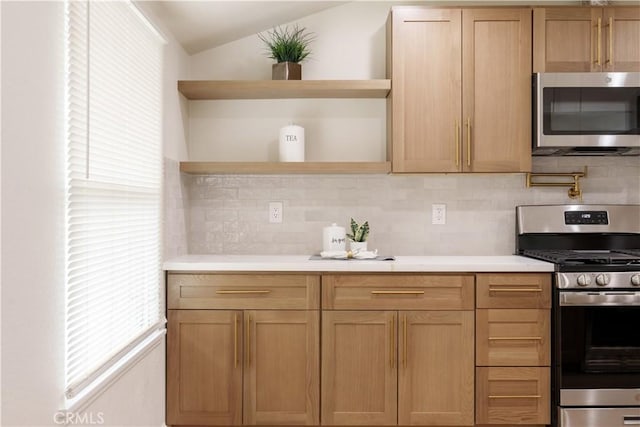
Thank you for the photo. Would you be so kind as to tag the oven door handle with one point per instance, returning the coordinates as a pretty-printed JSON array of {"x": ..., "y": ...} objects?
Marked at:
[{"x": 600, "y": 298}]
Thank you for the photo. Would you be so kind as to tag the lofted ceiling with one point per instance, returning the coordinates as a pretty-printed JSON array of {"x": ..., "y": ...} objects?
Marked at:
[{"x": 202, "y": 25}]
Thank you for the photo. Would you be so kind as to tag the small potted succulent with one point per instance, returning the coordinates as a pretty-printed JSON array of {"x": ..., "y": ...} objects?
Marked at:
[
  {"x": 288, "y": 46},
  {"x": 358, "y": 236}
]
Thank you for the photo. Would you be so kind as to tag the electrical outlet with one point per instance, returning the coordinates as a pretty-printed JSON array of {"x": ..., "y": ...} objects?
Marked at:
[
  {"x": 438, "y": 214},
  {"x": 275, "y": 212}
]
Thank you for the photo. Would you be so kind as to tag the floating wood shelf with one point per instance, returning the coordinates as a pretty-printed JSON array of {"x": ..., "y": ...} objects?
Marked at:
[
  {"x": 285, "y": 167},
  {"x": 281, "y": 89}
]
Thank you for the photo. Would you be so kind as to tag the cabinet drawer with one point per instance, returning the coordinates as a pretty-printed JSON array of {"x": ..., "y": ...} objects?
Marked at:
[
  {"x": 397, "y": 292},
  {"x": 243, "y": 291},
  {"x": 512, "y": 396},
  {"x": 520, "y": 290},
  {"x": 512, "y": 337}
]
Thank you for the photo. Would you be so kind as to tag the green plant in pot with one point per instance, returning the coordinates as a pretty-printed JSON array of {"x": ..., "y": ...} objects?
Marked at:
[
  {"x": 358, "y": 236},
  {"x": 288, "y": 46}
]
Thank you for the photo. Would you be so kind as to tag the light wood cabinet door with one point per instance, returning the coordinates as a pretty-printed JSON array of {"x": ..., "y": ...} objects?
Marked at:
[
  {"x": 513, "y": 337},
  {"x": 584, "y": 39},
  {"x": 359, "y": 376},
  {"x": 621, "y": 38},
  {"x": 496, "y": 116},
  {"x": 436, "y": 368},
  {"x": 513, "y": 396},
  {"x": 204, "y": 368},
  {"x": 426, "y": 96},
  {"x": 282, "y": 367}
]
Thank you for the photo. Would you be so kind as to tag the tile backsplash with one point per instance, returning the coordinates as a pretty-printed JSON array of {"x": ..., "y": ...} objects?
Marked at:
[{"x": 228, "y": 214}]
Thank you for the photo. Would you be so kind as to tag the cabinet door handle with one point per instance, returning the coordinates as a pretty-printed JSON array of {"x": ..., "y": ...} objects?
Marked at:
[
  {"x": 249, "y": 341},
  {"x": 599, "y": 42},
  {"x": 399, "y": 292},
  {"x": 244, "y": 291},
  {"x": 523, "y": 396},
  {"x": 457, "y": 139},
  {"x": 609, "y": 60},
  {"x": 468, "y": 141},
  {"x": 515, "y": 290},
  {"x": 515, "y": 338},
  {"x": 404, "y": 341},
  {"x": 391, "y": 346},
  {"x": 235, "y": 340}
]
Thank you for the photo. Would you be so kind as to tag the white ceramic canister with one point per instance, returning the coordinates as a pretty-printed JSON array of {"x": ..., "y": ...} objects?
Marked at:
[
  {"x": 292, "y": 143},
  {"x": 334, "y": 238}
]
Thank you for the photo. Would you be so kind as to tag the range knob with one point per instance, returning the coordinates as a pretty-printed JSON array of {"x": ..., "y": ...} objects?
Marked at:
[
  {"x": 635, "y": 280},
  {"x": 602, "y": 280},
  {"x": 584, "y": 280}
]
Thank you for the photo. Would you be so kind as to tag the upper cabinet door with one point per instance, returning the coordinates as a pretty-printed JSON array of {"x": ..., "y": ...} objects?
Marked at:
[
  {"x": 584, "y": 39},
  {"x": 426, "y": 94},
  {"x": 621, "y": 38},
  {"x": 496, "y": 60}
]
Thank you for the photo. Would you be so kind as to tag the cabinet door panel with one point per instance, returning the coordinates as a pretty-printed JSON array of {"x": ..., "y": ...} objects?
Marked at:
[
  {"x": 565, "y": 39},
  {"x": 204, "y": 370},
  {"x": 621, "y": 39},
  {"x": 426, "y": 67},
  {"x": 359, "y": 377},
  {"x": 436, "y": 368},
  {"x": 282, "y": 372},
  {"x": 496, "y": 102}
]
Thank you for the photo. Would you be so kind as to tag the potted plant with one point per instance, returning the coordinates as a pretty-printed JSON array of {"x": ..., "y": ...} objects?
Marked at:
[
  {"x": 358, "y": 236},
  {"x": 288, "y": 46}
]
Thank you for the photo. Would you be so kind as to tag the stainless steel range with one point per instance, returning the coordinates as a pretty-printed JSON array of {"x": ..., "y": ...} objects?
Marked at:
[{"x": 596, "y": 308}]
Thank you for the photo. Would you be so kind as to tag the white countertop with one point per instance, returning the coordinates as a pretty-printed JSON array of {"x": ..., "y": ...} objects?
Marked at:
[{"x": 508, "y": 263}]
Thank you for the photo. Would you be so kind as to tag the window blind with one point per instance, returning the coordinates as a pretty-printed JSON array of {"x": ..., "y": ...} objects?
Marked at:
[{"x": 114, "y": 178}]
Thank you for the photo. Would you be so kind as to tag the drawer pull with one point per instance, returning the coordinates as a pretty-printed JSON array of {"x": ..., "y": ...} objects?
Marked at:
[
  {"x": 397, "y": 292},
  {"x": 515, "y": 290},
  {"x": 515, "y": 338},
  {"x": 248, "y": 291},
  {"x": 524, "y": 396}
]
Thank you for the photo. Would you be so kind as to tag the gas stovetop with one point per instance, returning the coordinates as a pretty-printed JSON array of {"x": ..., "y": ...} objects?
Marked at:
[{"x": 596, "y": 258}]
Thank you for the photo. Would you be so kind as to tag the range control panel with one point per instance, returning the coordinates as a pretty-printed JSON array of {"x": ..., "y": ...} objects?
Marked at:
[{"x": 586, "y": 217}]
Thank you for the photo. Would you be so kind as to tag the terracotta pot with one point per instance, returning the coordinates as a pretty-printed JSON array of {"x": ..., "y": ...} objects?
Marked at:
[{"x": 286, "y": 71}]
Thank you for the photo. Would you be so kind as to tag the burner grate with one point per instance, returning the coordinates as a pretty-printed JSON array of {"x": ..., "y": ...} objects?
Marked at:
[{"x": 575, "y": 257}]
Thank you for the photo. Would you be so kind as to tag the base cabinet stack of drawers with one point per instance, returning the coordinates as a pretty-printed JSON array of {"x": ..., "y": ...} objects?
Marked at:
[
  {"x": 358, "y": 349},
  {"x": 513, "y": 348}
]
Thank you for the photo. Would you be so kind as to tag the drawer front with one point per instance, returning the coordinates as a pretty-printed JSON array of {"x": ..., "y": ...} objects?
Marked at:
[
  {"x": 397, "y": 292},
  {"x": 512, "y": 396},
  {"x": 513, "y": 337},
  {"x": 520, "y": 290},
  {"x": 243, "y": 291}
]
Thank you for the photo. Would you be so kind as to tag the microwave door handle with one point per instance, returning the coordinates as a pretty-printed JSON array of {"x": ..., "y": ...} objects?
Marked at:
[{"x": 599, "y": 298}]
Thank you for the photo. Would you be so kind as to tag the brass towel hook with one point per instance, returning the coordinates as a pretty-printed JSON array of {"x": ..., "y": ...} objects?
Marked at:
[{"x": 575, "y": 192}]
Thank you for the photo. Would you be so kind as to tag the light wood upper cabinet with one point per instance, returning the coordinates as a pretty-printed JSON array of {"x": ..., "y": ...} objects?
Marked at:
[
  {"x": 204, "y": 368},
  {"x": 449, "y": 69},
  {"x": 583, "y": 39}
]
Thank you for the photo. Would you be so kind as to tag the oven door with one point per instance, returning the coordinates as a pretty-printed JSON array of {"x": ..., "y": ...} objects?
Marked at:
[{"x": 598, "y": 348}]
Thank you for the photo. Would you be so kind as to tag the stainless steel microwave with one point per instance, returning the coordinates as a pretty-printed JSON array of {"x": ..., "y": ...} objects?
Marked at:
[{"x": 586, "y": 114}]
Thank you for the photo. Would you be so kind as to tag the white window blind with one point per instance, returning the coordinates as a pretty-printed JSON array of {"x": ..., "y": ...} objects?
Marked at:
[{"x": 114, "y": 148}]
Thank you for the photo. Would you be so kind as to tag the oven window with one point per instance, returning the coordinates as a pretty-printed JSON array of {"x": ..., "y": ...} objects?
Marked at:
[
  {"x": 591, "y": 111},
  {"x": 600, "y": 346}
]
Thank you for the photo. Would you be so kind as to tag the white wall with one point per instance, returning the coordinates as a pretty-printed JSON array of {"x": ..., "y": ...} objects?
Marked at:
[{"x": 32, "y": 180}]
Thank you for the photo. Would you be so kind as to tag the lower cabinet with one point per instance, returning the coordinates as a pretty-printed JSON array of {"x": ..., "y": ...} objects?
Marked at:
[
  {"x": 245, "y": 366},
  {"x": 399, "y": 365}
]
